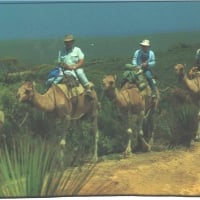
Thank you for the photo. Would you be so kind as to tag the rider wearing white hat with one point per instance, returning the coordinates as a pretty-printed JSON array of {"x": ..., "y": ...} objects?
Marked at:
[
  {"x": 144, "y": 58},
  {"x": 145, "y": 43}
]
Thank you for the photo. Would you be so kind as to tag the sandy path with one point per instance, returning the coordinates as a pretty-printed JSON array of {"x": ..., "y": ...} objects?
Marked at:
[{"x": 171, "y": 172}]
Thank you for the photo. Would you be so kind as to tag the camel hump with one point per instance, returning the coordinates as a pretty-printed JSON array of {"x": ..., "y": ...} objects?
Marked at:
[
  {"x": 75, "y": 91},
  {"x": 135, "y": 77}
]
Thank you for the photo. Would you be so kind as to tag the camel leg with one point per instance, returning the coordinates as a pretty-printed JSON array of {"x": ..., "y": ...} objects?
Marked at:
[
  {"x": 128, "y": 150},
  {"x": 66, "y": 124},
  {"x": 95, "y": 131},
  {"x": 131, "y": 126},
  {"x": 148, "y": 127},
  {"x": 145, "y": 145},
  {"x": 197, "y": 138},
  {"x": 151, "y": 140}
]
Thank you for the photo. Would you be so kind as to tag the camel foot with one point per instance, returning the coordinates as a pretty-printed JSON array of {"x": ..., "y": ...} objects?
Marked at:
[
  {"x": 94, "y": 159},
  {"x": 146, "y": 148},
  {"x": 127, "y": 154},
  {"x": 197, "y": 139}
]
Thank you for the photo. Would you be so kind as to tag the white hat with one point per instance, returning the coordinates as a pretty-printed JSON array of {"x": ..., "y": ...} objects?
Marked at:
[{"x": 145, "y": 43}]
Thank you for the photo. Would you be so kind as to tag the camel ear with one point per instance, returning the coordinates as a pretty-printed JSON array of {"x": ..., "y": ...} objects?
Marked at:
[
  {"x": 34, "y": 84},
  {"x": 115, "y": 76}
]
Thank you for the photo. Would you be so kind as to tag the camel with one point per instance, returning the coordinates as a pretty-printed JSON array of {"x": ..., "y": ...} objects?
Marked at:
[
  {"x": 193, "y": 85},
  {"x": 137, "y": 107},
  {"x": 58, "y": 101}
]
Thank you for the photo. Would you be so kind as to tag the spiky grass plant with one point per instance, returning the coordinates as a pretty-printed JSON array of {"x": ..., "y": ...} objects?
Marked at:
[
  {"x": 183, "y": 123},
  {"x": 32, "y": 169}
]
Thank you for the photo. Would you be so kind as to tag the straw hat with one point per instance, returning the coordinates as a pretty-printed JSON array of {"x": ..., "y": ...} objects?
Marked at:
[
  {"x": 69, "y": 38},
  {"x": 145, "y": 43}
]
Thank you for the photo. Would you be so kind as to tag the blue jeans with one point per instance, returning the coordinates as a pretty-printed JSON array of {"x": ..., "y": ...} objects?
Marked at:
[
  {"x": 82, "y": 76},
  {"x": 149, "y": 77},
  {"x": 79, "y": 74}
]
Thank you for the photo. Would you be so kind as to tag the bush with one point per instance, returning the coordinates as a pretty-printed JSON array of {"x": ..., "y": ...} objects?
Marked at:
[{"x": 183, "y": 123}]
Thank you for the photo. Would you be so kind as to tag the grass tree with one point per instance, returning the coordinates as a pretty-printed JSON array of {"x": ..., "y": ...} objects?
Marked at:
[
  {"x": 183, "y": 123},
  {"x": 31, "y": 168}
]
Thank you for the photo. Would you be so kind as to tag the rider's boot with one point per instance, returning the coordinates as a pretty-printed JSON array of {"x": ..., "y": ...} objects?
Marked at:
[{"x": 88, "y": 91}]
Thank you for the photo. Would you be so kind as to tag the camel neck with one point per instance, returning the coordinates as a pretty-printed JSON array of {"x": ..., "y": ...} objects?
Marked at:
[
  {"x": 44, "y": 102},
  {"x": 193, "y": 85}
]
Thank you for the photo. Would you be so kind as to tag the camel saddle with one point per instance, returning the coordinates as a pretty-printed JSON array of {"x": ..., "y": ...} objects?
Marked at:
[
  {"x": 71, "y": 92},
  {"x": 134, "y": 77}
]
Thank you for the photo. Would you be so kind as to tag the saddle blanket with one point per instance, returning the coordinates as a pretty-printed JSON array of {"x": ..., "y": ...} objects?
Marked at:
[{"x": 75, "y": 91}]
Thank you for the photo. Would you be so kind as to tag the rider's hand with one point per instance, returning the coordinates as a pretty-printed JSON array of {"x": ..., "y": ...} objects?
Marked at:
[
  {"x": 144, "y": 64},
  {"x": 71, "y": 67},
  {"x": 62, "y": 64}
]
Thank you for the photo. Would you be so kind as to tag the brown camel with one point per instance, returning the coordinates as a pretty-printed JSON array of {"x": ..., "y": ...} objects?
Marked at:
[
  {"x": 193, "y": 85},
  {"x": 60, "y": 101},
  {"x": 136, "y": 107}
]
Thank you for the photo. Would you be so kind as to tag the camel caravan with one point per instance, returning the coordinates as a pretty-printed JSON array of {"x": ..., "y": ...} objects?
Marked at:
[
  {"x": 70, "y": 101},
  {"x": 134, "y": 102}
]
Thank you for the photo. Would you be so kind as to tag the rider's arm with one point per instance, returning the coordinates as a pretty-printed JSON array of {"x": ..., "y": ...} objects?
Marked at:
[
  {"x": 81, "y": 57},
  {"x": 134, "y": 60},
  {"x": 152, "y": 60},
  {"x": 79, "y": 63}
]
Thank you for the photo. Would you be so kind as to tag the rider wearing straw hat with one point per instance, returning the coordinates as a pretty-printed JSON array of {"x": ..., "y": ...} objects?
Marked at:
[{"x": 72, "y": 60}]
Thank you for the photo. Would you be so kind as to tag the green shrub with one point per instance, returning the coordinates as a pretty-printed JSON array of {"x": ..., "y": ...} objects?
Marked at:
[{"x": 183, "y": 123}]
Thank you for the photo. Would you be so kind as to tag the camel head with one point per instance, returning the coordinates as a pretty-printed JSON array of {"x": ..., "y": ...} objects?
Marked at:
[
  {"x": 194, "y": 72},
  {"x": 109, "y": 81},
  {"x": 26, "y": 92},
  {"x": 179, "y": 69}
]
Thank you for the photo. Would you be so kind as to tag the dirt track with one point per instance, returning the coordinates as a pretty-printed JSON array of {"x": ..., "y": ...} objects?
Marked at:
[{"x": 171, "y": 172}]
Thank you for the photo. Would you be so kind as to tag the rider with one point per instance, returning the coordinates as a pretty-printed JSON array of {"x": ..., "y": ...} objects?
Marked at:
[
  {"x": 144, "y": 58},
  {"x": 197, "y": 59},
  {"x": 72, "y": 60}
]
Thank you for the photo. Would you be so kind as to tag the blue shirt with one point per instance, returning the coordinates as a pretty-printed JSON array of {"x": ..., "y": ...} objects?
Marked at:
[{"x": 140, "y": 56}]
